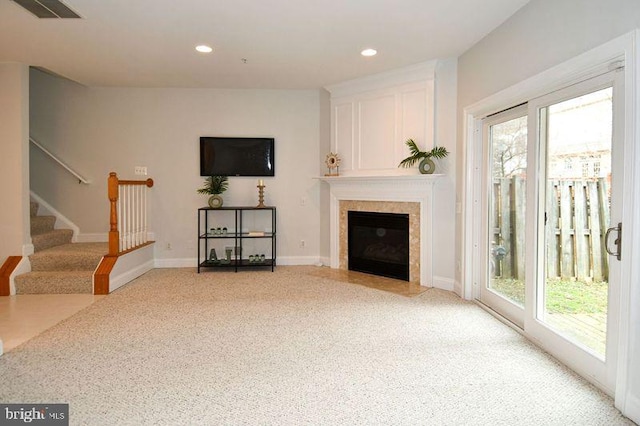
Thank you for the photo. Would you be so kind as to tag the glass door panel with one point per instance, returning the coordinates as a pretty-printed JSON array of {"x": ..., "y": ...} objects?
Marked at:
[
  {"x": 573, "y": 292},
  {"x": 506, "y": 217},
  {"x": 504, "y": 287}
]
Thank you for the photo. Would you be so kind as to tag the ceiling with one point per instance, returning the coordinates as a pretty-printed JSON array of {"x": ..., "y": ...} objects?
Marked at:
[{"x": 286, "y": 44}]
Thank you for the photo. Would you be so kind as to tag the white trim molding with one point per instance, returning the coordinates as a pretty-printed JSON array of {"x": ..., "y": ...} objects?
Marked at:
[
  {"x": 424, "y": 71},
  {"x": 627, "y": 393}
]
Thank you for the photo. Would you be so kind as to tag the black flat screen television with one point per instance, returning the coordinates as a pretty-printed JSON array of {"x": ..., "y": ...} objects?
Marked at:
[{"x": 236, "y": 156}]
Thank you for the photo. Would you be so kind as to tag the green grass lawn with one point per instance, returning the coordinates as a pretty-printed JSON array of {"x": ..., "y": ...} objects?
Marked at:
[{"x": 565, "y": 297}]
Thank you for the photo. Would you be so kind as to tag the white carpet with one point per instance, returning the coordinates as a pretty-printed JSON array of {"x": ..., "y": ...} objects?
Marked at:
[{"x": 175, "y": 347}]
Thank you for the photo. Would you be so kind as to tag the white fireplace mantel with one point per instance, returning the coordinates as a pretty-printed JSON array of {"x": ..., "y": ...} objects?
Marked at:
[{"x": 400, "y": 188}]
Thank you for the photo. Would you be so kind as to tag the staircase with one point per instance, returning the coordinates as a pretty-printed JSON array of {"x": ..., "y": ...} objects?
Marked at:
[{"x": 57, "y": 265}]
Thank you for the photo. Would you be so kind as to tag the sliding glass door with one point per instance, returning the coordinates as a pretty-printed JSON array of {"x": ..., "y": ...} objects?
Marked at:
[{"x": 553, "y": 170}]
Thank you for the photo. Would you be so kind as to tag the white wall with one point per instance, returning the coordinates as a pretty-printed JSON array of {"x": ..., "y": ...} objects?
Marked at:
[
  {"x": 14, "y": 160},
  {"x": 325, "y": 147},
  {"x": 98, "y": 130},
  {"x": 444, "y": 191}
]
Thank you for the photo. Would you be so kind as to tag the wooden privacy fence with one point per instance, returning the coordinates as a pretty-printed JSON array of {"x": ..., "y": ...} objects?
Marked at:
[{"x": 577, "y": 216}]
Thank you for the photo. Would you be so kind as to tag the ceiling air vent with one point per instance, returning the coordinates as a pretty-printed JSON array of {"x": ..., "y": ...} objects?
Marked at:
[{"x": 48, "y": 8}]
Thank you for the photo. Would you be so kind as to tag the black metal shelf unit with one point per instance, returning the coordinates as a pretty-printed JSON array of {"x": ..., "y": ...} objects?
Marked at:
[{"x": 205, "y": 235}]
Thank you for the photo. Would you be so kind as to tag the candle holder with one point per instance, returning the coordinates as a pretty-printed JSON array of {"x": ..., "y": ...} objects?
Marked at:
[{"x": 261, "y": 197}]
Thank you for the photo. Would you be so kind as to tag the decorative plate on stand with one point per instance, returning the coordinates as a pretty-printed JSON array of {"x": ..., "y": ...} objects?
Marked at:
[{"x": 333, "y": 162}]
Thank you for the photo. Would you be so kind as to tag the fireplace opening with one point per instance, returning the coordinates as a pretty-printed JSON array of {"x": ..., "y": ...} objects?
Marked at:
[{"x": 378, "y": 243}]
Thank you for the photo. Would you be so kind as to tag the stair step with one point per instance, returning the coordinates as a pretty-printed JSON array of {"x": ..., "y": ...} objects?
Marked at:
[
  {"x": 55, "y": 282},
  {"x": 42, "y": 224},
  {"x": 56, "y": 237},
  {"x": 34, "y": 208},
  {"x": 69, "y": 257}
]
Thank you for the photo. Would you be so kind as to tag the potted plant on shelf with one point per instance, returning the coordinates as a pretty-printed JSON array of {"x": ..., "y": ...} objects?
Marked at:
[
  {"x": 214, "y": 186},
  {"x": 426, "y": 166}
]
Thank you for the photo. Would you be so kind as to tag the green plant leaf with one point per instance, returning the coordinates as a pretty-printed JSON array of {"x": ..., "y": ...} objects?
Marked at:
[
  {"x": 413, "y": 147},
  {"x": 416, "y": 154},
  {"x": 214, "y": 185},
  {"x": 438, "y": 152}
]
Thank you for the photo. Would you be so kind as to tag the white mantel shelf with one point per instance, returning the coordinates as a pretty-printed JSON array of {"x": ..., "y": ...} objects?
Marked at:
[{"x": 373, "y": 179}]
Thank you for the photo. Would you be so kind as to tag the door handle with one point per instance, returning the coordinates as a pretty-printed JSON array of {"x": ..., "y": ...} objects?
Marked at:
[{"x": 617, "y": 241}]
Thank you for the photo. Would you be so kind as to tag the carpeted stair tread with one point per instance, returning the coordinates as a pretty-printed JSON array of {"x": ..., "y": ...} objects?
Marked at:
[
  {"x": 69, "y": 257},
  {"x": 55, "y": 282},
  {"x": 57, "y": 265},
  {"x": 42, "y": 224},
  {"x": 55, "y": 237}
]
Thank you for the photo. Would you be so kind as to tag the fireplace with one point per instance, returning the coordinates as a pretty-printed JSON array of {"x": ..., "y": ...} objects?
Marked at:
[
  {"x": 378, "y": 243},
  {"x": 406, "y": 194}
]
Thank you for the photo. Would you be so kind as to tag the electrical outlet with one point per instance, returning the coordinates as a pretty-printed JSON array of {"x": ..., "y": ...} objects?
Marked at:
[
  {"x": 168, "y": 246},
  {"x": 303, "y": 201},
  {"x": 302, "y": 244},
  {"x": 140, "y": 170}
]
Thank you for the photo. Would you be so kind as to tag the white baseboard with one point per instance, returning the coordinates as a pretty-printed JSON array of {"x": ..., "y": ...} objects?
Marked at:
[
  {"x": 444, "y": 283},
  {"x": 130, "y": 266},
  {"x": 326, "y": 261},
  {"x": 632, "y": 408},
  {"x": 176, "y": 263},
  {"x": 297, "y": 260},
  {"x": 457, "y": 288},
  {"x": 193, "y": 263},
  {"x": 122, "y": 279},
  {"x": 27, "y": 250}
]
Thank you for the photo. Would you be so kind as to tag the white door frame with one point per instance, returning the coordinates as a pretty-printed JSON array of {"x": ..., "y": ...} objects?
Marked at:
[{"x": 624, "y": 48}]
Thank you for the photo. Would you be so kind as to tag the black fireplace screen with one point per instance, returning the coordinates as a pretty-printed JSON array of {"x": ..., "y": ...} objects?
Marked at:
[{"x": 379, "y": 243}]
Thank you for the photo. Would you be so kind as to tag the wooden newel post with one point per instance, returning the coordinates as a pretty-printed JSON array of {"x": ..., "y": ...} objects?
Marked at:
[{"x": 114, "y": 235}]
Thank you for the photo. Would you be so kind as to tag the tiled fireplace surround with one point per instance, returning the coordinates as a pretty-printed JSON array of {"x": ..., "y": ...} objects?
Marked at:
[{"x": 409, "y": 194}]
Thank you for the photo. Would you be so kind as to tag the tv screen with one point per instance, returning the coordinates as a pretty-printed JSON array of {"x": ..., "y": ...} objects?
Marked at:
[{"x": 236, "y": 156}]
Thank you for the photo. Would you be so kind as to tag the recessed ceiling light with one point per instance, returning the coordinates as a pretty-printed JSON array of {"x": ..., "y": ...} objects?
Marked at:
[
  {"x": 369, "y": 52},
  {"x": 203, "y": 48}
]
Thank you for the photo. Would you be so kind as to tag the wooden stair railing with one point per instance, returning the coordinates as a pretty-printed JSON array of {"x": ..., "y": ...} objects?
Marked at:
[
  {"x": 128, "y": 214},
  {"x": 6, "y": 270},
  {"x": 127, "y": 225}
]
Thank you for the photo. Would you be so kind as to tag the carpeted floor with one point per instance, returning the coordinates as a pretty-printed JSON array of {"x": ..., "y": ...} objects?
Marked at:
[{"x": 175, "y": 347}]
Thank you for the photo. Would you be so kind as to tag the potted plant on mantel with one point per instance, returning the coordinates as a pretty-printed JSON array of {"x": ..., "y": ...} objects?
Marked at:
[
  {"x": 426, "y": 166},
  {"x": 214, "y": 186}
]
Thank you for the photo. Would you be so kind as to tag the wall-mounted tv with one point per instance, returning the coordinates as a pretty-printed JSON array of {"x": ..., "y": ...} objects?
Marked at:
[{"x": 235, "y": 156}]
